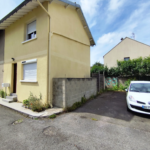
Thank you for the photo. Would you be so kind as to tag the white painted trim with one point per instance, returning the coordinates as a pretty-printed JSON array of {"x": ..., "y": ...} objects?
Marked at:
[
  {"x": 29, "y": 40},
  {"x": 29, "y": 61},
  {"x": 28, "y": 81}
]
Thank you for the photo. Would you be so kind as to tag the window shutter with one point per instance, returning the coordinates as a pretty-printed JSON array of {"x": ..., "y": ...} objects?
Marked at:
[
  {"x": 30, "y": 72},
  {"x": 31, "y": 27}
]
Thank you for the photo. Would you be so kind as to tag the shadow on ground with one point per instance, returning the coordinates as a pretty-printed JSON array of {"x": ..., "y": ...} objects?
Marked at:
[{"x": 110, "y": 104}]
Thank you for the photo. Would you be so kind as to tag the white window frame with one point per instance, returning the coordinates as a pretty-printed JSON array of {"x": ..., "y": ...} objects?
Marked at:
[{"x": 28, "y": 62}]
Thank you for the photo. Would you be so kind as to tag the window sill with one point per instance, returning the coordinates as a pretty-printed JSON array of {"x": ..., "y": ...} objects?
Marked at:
[
  {"x": 29, "y": 40},
  {"x": 28, "y": 81}
]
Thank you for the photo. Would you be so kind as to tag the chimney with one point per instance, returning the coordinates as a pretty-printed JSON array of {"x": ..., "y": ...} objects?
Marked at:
[{"x": 122, "y": 39}]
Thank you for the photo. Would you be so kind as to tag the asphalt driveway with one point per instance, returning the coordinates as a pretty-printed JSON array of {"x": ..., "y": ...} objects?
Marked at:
[{"x": 101, "y": 124}]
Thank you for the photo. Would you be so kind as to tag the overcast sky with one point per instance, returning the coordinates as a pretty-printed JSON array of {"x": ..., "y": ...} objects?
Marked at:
[{"x": 109, "y": 20}]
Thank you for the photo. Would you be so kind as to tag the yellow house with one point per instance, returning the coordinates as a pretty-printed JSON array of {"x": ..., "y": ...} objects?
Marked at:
[
  {"x": 44, "y": 39},
  {"x": 125, "y": 50}
]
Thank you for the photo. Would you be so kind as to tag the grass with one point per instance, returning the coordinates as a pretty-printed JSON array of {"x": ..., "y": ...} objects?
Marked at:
[{"x": 52, "y": 116}]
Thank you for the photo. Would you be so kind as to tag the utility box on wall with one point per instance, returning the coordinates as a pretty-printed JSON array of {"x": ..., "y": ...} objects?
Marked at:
[{"x": 5, "y": 85}]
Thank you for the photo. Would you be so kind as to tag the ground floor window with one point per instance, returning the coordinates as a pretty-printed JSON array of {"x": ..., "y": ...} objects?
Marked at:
[{"x": 30, "y": 70}]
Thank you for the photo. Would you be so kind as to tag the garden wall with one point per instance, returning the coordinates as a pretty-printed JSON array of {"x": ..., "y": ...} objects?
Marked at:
[
  {"x": 67, "y": 91},
  {"x": 113, "y": 81},
  {"x": 100, "y": 80}
]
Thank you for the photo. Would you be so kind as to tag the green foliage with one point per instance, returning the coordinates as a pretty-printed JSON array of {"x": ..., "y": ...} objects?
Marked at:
[
  {"x": 121, "y": 87},
  {"x": 3, "y": 94},
  {"x": 135, "y": 67},
  {"x": 26, "y": 103},
  {"x": 52, "y": 116},
  {"x": 83, "y": 100},
  {"x": 97, "y": 67},
  {"x": 34, "y": 103},
  {"x": 127, "y": 83},
  {"x": 77, "y": 104}
]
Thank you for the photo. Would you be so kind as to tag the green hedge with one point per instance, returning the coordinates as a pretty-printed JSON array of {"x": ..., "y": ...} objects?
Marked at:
[{"x": 135, "y": 67}]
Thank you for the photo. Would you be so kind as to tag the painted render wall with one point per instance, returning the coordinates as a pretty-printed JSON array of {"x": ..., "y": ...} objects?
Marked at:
[
  {"x": 68, "y": 91},
  {"x": 2, "y": 42},
  {"x": 70, "y": 45},
  {"x": 127, "y": 48},
  {"x": 35, "y": 49}
]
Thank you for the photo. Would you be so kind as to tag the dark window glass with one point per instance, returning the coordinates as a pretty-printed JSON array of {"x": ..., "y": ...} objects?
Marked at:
[
  {"x": 126, "y": 58},
  {"x": 140, "y": 87}
]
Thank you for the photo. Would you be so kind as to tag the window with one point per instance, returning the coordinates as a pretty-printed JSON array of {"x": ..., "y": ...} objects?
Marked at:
[
  {"x": 30, "y": 70},
  {"x": 31, "y": 30},
  {"x": 126, "y": 58}
]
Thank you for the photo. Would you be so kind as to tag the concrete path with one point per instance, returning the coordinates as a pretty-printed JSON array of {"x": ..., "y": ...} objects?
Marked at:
[
  {"x": 88, "y": 128},
  {"x": 18, "y": 107}
]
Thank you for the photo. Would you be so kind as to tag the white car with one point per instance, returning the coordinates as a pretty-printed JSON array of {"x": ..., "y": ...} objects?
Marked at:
[{"x": 138, "y": 97}]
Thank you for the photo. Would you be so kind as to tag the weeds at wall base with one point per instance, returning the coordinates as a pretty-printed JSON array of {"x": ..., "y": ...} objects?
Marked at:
[{"x": 82, "y": 102}]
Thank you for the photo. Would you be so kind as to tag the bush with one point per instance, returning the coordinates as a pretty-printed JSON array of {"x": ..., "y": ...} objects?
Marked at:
[
  {"x": 136, "y": 67},
  {"x": 97, "y": 67},
  {"x": 34, "y": 103},
  {"x": 3, "y": 94},
  {"x": 26, "y": 103}
]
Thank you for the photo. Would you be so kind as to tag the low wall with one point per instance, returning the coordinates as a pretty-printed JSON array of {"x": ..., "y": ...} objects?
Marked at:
[
  {"x": 70, "y": 90},
  {"x": 100, "y": 80},
  {"x": 111, "y": 81}
]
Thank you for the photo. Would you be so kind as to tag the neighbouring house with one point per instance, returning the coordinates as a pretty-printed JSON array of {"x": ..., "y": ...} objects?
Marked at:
[
  {"x": 43, "y": 40},
  {"x": 125, "y": 50}
]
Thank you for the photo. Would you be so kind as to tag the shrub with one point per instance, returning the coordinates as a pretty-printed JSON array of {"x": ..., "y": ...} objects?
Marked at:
[
  {"x": 35, "y": 103},
  {"x": 3, "y": 94},
  {"x": 26, "y": 103}
]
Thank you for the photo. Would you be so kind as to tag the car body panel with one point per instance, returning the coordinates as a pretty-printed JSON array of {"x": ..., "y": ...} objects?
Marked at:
[{"x": 138, "y": 96}]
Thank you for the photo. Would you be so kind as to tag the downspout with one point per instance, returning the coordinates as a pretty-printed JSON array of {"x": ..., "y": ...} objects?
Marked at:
[{"x": 48, "y": 53}]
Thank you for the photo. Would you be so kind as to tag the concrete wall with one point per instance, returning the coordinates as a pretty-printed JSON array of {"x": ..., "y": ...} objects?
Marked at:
[
  {"x": 111, "y": 82},
  {"x": 2, "y": 43},
  {"x": 15, "y": 34},
  {"x": 68, "y": 91},
  {"x": 100, "y": 80},
  {"x": 70, "y": 45},
  {"x": 127, "y": 48}
]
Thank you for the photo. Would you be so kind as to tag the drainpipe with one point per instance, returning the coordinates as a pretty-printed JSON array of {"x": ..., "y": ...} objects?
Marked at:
[{"x": 48, "y": 52}]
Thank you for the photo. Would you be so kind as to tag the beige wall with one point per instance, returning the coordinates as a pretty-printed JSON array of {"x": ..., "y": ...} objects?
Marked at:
[
  {"x": 127, "y": 48},
  {"x": 35, "y": 49},
  {"x": 70, "y": 45},
  {"x": 69, "y": 49}
]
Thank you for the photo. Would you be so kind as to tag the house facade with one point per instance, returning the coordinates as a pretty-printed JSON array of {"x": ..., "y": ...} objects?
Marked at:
[
  {"x": 46, "y": 39},
  {"x": 125, "y": 50}
]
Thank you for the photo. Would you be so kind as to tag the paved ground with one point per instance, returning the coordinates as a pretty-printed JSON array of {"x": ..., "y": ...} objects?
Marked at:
[{"x": 114, "y": 129}]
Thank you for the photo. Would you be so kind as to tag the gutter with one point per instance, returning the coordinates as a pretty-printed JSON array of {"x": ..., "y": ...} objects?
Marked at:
[{"x": 48, "y": 52}]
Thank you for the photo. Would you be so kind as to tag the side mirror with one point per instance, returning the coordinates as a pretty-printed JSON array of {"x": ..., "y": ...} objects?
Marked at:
[{"x": 126, "y": 90}]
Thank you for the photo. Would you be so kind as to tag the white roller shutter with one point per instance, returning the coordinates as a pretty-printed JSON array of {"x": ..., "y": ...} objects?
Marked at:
[
  {"x": 30, "y": 72},
  {"x": 31, "y": 27}
]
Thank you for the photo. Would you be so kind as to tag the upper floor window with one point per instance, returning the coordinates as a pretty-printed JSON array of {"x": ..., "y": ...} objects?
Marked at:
[
  {"x": 31, "y": 30},
  {"x": 126, "y": 58}
]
